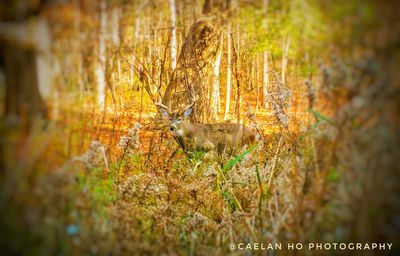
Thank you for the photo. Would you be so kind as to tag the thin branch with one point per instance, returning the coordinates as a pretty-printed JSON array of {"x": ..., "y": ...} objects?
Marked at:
[{"x": 275, "y": 161}]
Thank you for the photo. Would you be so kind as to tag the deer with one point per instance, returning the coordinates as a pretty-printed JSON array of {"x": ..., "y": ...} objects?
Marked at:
[{"x": 220, "y": 137}]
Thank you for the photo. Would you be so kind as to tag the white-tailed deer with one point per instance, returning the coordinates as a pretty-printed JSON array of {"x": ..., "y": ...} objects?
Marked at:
[{"x": 223, "y": 137}]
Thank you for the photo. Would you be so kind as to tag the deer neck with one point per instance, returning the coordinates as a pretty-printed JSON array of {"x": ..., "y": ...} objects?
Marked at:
[{"x": 186, "y": 129}]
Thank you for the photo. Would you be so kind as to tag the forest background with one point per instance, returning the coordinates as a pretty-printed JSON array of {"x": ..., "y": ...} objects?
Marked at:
[{"x": 88, "y": 166}]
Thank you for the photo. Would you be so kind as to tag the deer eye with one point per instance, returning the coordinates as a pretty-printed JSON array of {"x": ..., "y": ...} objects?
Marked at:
[
  {"x": 170, "y": 119},
  {"x": 179, "y": 118}
]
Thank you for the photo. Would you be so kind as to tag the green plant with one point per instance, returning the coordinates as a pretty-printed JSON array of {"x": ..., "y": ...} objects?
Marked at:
[{"x": 238, "y": 158}]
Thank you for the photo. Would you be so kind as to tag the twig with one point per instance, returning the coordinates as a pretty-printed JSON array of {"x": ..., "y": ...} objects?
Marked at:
[
  {"x": 261, "y": 195},
  {"x": 103, "y": 151},
  {"x": 197, "y": 165},
  {"x": 239, "y": 206},
  {"x": 275, "y": 161}
]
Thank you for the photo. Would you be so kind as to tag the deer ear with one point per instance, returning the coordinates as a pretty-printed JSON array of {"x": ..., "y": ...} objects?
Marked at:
[
  {"x": 187, "y": 112},
  {"x": 164, "y": 112}
]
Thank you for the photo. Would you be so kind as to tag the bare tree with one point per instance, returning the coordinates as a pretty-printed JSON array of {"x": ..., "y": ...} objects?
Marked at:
[
  {"x": 215, "y": 90},
  {"x": 238, "y": 84},
  {"x": 24, "y": 42},
  {"x": 228, "y": 77},
  {"x": 174, "y": 48},
  {"x": 265, "y": 80},
  {"x": 100, "y": 70},
  {"x": 115, "y": 33},
  {"x": 190, "y": 79},
  {"x": 265, "y": 4},
  {"x": 286, "y": 47}
]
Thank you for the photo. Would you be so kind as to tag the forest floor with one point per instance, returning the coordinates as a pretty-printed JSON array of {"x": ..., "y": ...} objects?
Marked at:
[{"x": 108, "y": 182}]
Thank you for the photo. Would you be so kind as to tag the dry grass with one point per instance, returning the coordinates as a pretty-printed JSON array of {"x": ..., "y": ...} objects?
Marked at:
[{"x": 330, "y": 180}]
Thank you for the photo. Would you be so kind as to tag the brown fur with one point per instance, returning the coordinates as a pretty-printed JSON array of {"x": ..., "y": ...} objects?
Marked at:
[{"x": 223, "y": 137}]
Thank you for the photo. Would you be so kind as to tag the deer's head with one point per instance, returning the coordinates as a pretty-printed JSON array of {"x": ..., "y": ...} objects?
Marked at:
[{"x": 176, "y": 120}]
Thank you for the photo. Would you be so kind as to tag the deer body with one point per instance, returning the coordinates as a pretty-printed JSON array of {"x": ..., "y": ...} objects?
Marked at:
[{"x": 207, "y": 137}]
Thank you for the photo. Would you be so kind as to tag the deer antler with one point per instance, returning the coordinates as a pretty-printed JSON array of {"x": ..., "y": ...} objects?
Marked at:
[
  {"x": 159, "y": 104},
  {"x": 188, "y": 106}
]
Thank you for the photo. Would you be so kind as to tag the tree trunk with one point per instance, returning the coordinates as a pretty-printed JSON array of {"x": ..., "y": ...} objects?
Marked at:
[
  {"x": 284, "y": 58},
  {"x": 115, "y": 34},
  {"x": 196, "y": 58},
  {"x": 23, "y": 98},
  {"x": 174, "y": 48},
  {"x": 100, "y": 71},
  {"x": 265, "y": 4},
  {"x": 265, "y": 80},
  {"x": 215, "y": 94},
  {"x": 135, "y": 39},
  {"x": 23, "y": 46},
  {"x": 238, "y": 87},
  {"x": 77, "y": 48},
  {"x": 228, "y": 78}
]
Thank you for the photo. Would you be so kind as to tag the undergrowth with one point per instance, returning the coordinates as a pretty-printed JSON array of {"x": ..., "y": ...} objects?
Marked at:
[{"x": 328, "y": 181}]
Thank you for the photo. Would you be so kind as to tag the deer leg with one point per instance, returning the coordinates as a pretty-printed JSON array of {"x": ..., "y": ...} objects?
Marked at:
[{"x": 181, "y": 144}]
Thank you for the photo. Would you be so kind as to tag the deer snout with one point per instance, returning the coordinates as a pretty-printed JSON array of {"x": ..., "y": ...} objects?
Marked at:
[{"x": 173, "y": 128}]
